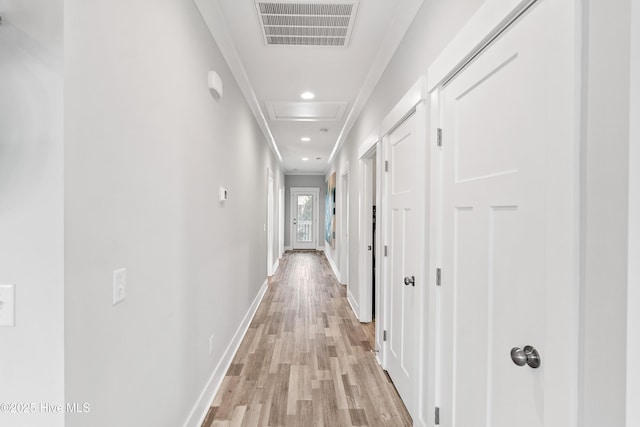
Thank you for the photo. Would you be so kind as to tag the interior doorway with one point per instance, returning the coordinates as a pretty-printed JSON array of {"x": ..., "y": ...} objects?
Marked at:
[
  {"x": 270, "y": 223},
  {"x": 304, "y": 217},
  {"x": 344, "y": 228},
  {"x": 368, "y": 291}
]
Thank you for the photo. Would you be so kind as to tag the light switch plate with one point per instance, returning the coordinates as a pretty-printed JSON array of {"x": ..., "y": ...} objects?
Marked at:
[
  {"x": 7, "y": 305},
  {"x": 119, "y": 285}
]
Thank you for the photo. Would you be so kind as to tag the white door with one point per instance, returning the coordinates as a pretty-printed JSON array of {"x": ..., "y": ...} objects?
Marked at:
[
  {"x": 304, "y": 216},
  {"x": 344, "y": 232},
  {"x": 507, "y": 230},
  {"x": 402, "y": 265}
]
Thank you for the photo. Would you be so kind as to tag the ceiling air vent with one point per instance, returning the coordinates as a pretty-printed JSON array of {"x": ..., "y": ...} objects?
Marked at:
[{"x": 307, "y": 24}]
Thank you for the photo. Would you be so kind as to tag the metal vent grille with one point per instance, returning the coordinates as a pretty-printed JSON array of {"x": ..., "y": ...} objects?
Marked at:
[{"x": 307, "y": 24}]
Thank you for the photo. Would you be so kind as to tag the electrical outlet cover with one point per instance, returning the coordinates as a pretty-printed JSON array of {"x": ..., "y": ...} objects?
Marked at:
[{"x": 119, "y": 285}]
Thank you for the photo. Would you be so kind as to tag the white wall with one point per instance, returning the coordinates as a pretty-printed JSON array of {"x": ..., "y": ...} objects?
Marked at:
[
  {"x": 633, "y": 297},
  {"x": 605, "y": 180},
  {"x": 436, "y": 23},
  {"x": 605, "y": 212},
  {"x": 146, "y": 149},
  {"x": 31, "y": 207},
  {"x": 314, "y": 181}
]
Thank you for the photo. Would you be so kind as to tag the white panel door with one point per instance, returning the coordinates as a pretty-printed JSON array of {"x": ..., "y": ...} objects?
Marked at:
[
  {"x": 402, "y": 266},
  {"x": 504, "y": 247}
]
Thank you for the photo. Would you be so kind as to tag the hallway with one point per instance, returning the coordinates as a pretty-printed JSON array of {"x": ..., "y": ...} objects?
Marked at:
[{"x": 306, "y": 360}]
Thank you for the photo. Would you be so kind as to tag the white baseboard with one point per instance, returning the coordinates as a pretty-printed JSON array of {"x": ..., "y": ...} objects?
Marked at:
[
  {"x": 201, "y": 408},
  {"x": 354, "y": 304},
  {"x": 288, "y": 248},
  {"x": 331, "y": 263},
  {"x": 275, "y": 266}
]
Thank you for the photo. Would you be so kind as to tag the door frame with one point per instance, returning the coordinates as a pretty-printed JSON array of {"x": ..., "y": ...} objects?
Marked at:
[
  {"x": 343, "y": 225},
  {"x": 315, "y": 191},
  {"x": 271, "y": 266},
  {"x": 493, "y": 17},
  {"x": 281, "y": 221},
  {"x": 633, "y": 284},
  {"x": 363, "y": 305},
  {"x": 413, "y": 103}
]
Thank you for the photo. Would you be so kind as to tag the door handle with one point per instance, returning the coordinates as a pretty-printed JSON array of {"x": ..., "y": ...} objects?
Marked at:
[
  {"x": 410, "y": 281},
  {"x": 526, "y": 356},
  {"x": 369, "y": 247}
]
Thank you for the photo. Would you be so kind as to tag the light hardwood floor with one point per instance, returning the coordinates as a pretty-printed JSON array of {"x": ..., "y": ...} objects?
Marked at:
[{"x": 306, "y": 360}]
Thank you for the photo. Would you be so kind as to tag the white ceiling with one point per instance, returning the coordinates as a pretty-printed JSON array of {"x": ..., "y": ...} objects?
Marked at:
[{"x": 272, "y": 77}]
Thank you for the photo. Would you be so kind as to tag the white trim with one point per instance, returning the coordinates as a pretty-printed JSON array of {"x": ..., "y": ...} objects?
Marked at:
[
  {"x": 414, "y": 96},
  {"x": 332, "y": 263},
  {"x": 368, "y": 143},
  {"x": 213, "y": 17},
  {"x": 315, "y": 191},
  {"x": 274, "y": 268},
  {"x": 271, "y": 207},
  {"x": 200, "y": 409},
  {"x": 299, "y": 173},
  {"x": 395, "y": 33},
  {"x": 491, "y": 18},
  {"x": 281, "y": 200},
  {"x": 345, "y": 168},
  {"x": 633, "y": 280},
  {"x": 343, "y": 224},
  {"x": 288, "y": 248},
  {"x": 365, "y": 201},
  {"x": 353, "y": 303}
]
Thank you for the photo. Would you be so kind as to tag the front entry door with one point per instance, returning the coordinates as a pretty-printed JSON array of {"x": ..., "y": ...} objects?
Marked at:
[
  {"x": 508, "y": 230},
  {"x": 304, "y": 215}
]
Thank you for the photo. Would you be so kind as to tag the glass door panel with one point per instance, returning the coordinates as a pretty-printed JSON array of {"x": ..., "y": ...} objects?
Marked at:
[{"x": 304, "y": 227}]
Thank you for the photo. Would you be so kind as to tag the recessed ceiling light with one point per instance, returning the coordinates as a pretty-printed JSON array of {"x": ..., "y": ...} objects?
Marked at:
[
  {"x": 304, "y": 159},
  {"x": 307, "y": 95},
  {"x": 305, "y": 139}
]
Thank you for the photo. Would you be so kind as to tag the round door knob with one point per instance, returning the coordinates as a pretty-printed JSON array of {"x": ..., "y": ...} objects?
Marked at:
[
  {"x": 526, "y": 356},
  {"x": 518, "y": 356}
]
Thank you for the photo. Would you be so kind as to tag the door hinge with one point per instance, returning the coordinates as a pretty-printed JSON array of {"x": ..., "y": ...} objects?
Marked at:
[
  {"x": 439, "y": 137},
  {"x": 385, "y": 250},
  {"x": 386, "y": 166},
  {"x": 437, "y": 416},
  {"x": 384, "y": 335},
  {"x": 438, "y": 277}
]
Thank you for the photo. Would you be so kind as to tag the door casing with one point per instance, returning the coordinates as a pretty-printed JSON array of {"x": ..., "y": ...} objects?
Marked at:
[{"x": 294, "y": 191}]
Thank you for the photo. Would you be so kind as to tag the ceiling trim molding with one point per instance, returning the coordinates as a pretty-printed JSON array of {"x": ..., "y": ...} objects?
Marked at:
[
  {"x": 213, "y": 17},
  {"x": 405, "y": 13},
  {"x": 302, "y": 173}
]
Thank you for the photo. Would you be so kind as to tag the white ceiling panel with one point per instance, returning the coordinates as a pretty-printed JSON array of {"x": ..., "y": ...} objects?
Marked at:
[{"x": 335, "y": 49}]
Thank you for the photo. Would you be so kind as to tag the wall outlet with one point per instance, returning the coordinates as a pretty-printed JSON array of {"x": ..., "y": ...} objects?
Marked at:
[
  {"x": 7, "y": 305},
  {"x": 210, "y": 345},
  {"x": 119, "y": 285}
]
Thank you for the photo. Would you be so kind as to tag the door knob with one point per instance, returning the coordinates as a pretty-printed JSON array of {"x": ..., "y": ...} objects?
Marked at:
[
  {"x": 369, "y": 247},
  {"x": 526, "y": 356},
  {"x": 410, "y": 281}
]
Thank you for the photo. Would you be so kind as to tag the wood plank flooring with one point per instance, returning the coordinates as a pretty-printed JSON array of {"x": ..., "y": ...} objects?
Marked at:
[{"x": 306, "y": 360}]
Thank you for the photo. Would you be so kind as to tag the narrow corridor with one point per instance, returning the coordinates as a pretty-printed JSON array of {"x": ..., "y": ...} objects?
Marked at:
[{"x": 306, "y": 360}]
